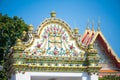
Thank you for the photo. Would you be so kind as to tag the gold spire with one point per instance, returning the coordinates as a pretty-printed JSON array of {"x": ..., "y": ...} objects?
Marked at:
[
  {"x": 18, "y": 42},
  {"x": 87, "y": 27},
  {"x": 90, "y": 46},
  {"x": 24, "y": 33},
  {"x": 19, "y": 46},
  {"x": 91, "y": 49},
  {"x": 53, "y": 14},
  {"x": 92, "y": 25},
  {"x": 76, "y": 31},
  {"x": 98, "y": 23},
  {"x": 31, "y": 27}
]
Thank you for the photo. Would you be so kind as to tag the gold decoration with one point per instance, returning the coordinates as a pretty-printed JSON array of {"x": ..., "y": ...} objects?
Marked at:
[
  {"x": 98, "y": 24},
  {"x": 91, "y": 49},
  {"x": 67, "y": 52},
  {"x": 90, "y": 46},
  {"x": 43, "y": 51},
  {"x": 19, "y": 46},
  {"x": 27, "y": 52},
  {"x": 93, "y": 25},
  {"x": 50, "y": 33},
  {"x": 76, "y": 31},
  {"x": 19, "y": 42},
  {"x": 24, "y": 33},
  {"x": 53, "y": 14},
  {"x": 82, "y": 55},
  {"x": 31, "y": 27},
  {"x": 58, "y": 33}
]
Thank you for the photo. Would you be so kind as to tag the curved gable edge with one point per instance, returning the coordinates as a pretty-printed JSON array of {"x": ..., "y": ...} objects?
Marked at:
[{"x": 57, "y": 21}]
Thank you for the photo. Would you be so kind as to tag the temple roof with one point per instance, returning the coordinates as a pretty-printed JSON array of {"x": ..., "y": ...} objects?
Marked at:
[{"x": 90, "y": 36}]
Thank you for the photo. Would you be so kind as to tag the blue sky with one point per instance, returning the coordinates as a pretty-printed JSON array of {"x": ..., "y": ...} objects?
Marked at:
[{"x": 74, "y": 12}]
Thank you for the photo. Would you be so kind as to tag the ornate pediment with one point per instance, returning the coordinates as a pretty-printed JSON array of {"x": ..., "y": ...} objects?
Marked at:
[
  {"x": 54, "y": 47},
  {"x": 55, "y": 40}
]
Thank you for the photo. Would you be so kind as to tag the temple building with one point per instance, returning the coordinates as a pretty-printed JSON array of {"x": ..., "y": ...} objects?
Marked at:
[{"x": 56, "y": 52}]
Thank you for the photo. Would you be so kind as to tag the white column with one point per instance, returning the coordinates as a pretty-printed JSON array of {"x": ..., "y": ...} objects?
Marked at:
[
  {"x": 93, "y": 76},
  {"x": 27, "y": 76},
  {"x": 20, "y": 76},
  {"x": 85, "y": 76}
]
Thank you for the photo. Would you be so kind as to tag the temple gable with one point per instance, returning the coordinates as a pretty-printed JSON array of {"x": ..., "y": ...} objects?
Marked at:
[
  {"x": 54, "y": 40},
  {"x": 105, "y": 60}
]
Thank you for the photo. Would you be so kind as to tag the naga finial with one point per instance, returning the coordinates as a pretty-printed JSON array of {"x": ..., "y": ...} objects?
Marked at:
[
  {"x": 92, "y": 25},
  {"x": 98, "y": 23},
  {"x": 88, "y": 23}
]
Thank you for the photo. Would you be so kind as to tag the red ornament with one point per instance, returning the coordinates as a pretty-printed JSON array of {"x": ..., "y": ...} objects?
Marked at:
[
  {"x": 55, "y": 52},
  {"x": 35, "y": 52},
  {"x": 63, "y": 32},
  {"x": 54, "y": 28},
  {"x": 45, "y": 36},
  {"x": 38, "y": 45},
  {"x": 71, "y": 47},
  {"x": 64, "y": 37}
]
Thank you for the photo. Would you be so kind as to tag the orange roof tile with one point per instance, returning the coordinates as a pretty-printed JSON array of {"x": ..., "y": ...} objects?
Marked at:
[{"x": 110, "y": 71}]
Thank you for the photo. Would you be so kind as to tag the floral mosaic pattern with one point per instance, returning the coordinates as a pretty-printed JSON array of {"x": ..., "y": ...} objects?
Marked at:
[{"x": 55, "y": 41}]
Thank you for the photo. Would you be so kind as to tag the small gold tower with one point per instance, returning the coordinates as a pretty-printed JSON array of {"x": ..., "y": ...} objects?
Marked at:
[{"x": 53, "y": 14}]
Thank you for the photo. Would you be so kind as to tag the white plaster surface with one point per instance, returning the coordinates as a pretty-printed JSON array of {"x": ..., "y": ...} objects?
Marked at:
[{"x": 56, "y": 75}]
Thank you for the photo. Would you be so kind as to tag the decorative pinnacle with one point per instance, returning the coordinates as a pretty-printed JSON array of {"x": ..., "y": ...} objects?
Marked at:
[
  {"x": 90, "y": 46},
  {"x": 31, "y": 27},
  {"x": 18, "y": 42},
  {"x": 76, "y": 31},
  {"x": 24, "y": 33},
  {"x": 88, "y": 23},
  {"x": 53, "y": 14},
  {"x": 98, "y": 23},
  {"x": 93, "y": 25}
]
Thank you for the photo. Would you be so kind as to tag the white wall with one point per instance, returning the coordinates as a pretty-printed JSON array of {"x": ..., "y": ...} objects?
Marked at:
[{"x": 29, "y": 75}]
